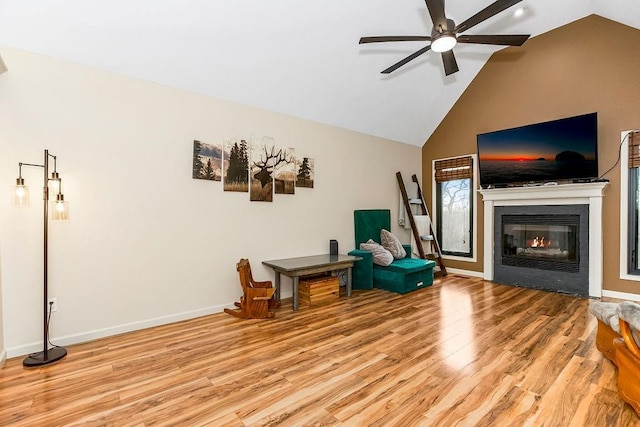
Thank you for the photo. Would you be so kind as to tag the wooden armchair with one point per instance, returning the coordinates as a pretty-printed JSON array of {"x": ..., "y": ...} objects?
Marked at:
[
  {"x": 257, "y": 301},
  {"x": 627, "y": 354},
  {"x": 608, "y": 327}
]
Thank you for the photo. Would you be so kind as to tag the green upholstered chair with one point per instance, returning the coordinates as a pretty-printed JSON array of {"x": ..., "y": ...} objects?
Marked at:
[{"x": 403, "y": 275}]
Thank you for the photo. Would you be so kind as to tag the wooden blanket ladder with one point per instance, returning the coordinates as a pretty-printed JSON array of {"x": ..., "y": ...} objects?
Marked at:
[{"x": 430, "y": 237}]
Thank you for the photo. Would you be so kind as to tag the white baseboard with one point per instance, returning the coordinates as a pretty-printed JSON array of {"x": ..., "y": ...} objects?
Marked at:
[
  {"x": 3, "y": 357},
  {"x": 115, "y": 330},
  {"x": 620, "y": 295},
  {"x": 465, "y": 272}
]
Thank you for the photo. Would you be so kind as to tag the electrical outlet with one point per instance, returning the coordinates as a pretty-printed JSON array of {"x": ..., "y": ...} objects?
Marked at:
[{"x": 53, "y": 304}]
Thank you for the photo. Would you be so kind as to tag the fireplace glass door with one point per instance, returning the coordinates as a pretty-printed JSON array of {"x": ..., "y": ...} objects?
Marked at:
[{"x": 549, "y": 242}]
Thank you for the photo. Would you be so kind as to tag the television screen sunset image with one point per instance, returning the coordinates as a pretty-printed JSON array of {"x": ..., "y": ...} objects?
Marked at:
[{"x": 544, "y": 152}]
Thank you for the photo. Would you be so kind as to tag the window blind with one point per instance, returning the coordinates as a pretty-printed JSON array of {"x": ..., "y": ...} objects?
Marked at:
[
  {"x": 634, "y": 149},
  {"x": 458, "y": 168}
]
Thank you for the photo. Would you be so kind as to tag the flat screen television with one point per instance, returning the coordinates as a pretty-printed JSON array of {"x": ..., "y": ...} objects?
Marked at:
[{"x": 559, "y": 150}]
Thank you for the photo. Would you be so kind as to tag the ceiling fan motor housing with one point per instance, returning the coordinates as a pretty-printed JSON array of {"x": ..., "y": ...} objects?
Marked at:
[
  {"x": 443, "y": 39},
  {"x": 440, "y": 30}
]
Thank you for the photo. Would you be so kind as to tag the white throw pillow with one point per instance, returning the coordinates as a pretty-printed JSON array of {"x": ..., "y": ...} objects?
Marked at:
[
  {"x": 381, "y": 256},
  {"x": 392, "y": 244}
]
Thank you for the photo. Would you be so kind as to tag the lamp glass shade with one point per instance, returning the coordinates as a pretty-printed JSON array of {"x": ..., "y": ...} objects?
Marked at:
[
  {"x": 20, "y": 195},
  {"x": 59, "y": 210},
  {"x": 444, "y": 43},
  {"x": 54, "y": 182}
]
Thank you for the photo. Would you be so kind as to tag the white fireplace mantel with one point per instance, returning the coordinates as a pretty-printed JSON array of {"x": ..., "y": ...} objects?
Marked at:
[{"x": 564, "y": 194}]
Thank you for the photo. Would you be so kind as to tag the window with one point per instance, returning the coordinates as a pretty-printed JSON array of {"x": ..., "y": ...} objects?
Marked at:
[
  {"x": 454, "y": 190},
  {"x": 633, "y": 211}
]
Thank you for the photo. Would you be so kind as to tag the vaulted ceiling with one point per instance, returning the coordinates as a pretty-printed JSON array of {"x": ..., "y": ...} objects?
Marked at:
[{"x": 295, "y": 57}]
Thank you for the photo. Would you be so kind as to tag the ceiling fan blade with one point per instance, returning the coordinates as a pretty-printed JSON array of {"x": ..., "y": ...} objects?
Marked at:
[
  {"x": 436, "y": 10},
  {"x": 449, "y": 62},
  {"x": 380, "y": 39},
  {"x": 405, "y": 60},
  {"x": 486, "y": 13},
  {"x": 502, "y": 39}
]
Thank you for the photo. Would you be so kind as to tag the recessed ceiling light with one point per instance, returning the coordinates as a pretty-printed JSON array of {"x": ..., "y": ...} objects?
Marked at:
[{"x": 518, "y": 12}]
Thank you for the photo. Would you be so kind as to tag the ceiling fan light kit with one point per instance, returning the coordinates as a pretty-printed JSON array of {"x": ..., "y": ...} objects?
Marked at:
[
  {"x": 446, "y": 34},
  {"x": 443, "y": 43}
]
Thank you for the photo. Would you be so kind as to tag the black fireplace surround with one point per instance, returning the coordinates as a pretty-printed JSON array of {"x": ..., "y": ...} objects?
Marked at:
[{"x": 543, "y": 247}]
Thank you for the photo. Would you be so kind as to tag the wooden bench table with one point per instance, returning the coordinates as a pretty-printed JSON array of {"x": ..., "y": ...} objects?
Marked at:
[{"x": 307, "y": 266}]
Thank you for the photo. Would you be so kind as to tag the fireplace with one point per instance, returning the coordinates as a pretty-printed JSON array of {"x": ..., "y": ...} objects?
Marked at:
[
  {"x": 543, "y": 247},
  {"x": 545, "y": 237}
]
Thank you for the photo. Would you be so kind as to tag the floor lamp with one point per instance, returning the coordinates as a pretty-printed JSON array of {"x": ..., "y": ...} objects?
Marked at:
[{"x": 60, "y": 212}]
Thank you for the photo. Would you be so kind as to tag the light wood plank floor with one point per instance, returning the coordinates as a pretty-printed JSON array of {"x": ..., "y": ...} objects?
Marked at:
[{"x": 462, "y": 352}]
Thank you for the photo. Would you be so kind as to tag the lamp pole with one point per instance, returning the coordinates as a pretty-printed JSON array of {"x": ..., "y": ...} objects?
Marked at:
[{"x": 47, "y": 355}]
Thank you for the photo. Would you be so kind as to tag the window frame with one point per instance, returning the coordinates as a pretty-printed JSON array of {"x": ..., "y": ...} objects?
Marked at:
[
  {"x": 473, "y": 204},
  {"x": 632, "y": 212},
  {"x": 627, "y": 212}
]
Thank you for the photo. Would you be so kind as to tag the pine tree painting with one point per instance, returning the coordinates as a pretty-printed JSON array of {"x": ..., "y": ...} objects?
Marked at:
[
  {"x": 236, "y": 165},
  {"x": 304, "y": 177},
  {"x": 207, "y": 161}
]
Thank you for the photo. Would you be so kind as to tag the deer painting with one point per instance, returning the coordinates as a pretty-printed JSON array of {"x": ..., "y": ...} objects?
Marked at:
[
  {"x": 268, "y": 163},
  {"x": 264, "y": 162}
]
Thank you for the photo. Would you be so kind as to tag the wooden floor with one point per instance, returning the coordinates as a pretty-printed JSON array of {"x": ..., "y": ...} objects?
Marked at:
[{"x": 462, "y": 352}]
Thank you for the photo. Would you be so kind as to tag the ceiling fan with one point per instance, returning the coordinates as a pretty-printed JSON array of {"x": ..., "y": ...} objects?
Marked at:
[{"x": 446, "y": 34}]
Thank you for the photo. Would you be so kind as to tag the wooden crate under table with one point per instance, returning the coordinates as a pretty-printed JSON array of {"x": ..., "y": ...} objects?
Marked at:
[{"x": 318, "y": 290}]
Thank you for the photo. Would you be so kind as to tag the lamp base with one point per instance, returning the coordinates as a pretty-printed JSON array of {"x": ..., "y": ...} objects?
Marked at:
[{"x": 38, "y": 359}]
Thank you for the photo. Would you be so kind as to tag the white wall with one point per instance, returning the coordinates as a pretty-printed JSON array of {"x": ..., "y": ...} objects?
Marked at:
[
  {"x": 3, "y": 351},
  {"x": 147, "y": 244}
]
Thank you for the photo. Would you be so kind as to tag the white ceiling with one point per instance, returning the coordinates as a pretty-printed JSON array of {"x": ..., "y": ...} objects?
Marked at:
[{"x": 296, "y": 57}]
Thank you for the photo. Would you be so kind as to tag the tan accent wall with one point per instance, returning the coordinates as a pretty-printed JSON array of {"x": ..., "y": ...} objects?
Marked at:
[{"x": 587, "y": 66}]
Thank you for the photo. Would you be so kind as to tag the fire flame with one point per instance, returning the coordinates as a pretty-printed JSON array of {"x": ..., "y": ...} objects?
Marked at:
[{"x": 539, "y": 242}]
